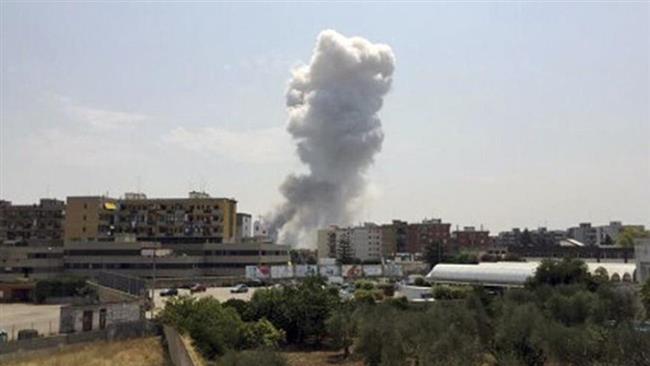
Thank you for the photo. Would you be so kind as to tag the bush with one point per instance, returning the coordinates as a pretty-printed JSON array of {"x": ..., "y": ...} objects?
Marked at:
[
  {"x": 256, "y": 357},
  {"x": 387, "y": 288},
  {"x": 261, "y": 334},
  {"x": 364, "y": 285},
  {"x": 341, "y": 327},
  {"x": 419, "y": 281},
  {"x": 364, "y": 297},
  {"x": 239, "y": 305},
  {"x": 445, "y": 292},
  {"x": 63, "y": 287}
]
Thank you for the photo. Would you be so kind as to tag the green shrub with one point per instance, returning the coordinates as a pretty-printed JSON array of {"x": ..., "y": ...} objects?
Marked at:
[
  {"x": 364, "y": 285},
  {"x": 387, "y": 288},
  {"x": 239, "y": 305},
  {"x": 445, "y": 292},
  {"x": 364, "y": 297},
  {"x": 420, "y": 281},
  {"x": 62, "y": 287},
  {"x": 261, "y": 334}
]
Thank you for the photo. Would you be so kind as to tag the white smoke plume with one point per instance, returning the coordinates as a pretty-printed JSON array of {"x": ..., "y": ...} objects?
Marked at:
[{"x": 332, "y": 104}]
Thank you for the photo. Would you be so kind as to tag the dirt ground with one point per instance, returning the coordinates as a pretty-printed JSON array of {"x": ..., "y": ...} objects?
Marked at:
[
  {"x": 320, "y": 358},
  {"x": 43, "y": 318}
]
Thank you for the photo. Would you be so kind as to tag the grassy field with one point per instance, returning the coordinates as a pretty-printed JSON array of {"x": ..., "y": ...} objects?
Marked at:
[
  {"x": 133, "y": 352},
  {"x": 320, "y": 358}
]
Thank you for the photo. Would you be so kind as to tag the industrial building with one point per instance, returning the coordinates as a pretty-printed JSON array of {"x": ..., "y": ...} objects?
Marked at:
[{"x": 514, "y": 274}]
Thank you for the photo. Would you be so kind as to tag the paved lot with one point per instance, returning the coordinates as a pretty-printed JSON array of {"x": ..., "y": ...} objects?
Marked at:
[
  {"x": 220, "y": 293},
  {"x": 44, "y": 318}
]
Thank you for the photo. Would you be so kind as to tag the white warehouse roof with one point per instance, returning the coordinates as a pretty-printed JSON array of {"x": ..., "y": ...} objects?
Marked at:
[{"x": 512, "y": 273}]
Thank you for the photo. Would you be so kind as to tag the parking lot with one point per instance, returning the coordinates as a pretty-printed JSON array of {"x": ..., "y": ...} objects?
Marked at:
[
  {"x": 43, "y": 318},
  {"x": 220, "y": 293}
]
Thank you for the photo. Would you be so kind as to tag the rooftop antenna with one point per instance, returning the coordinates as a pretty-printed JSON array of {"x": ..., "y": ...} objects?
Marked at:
[{"x": 138, "y": 182}]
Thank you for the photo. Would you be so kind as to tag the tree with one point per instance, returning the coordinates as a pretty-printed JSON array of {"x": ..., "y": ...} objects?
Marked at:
[
  {"x": 645, "y": 297},
  {"x": 565, "y": 272},
  {"x": 526, "y": 238},
  {"x": 433, "y": 252},
  {"x": 299, "y": 310},
  {"x": 341, "y": 327},
  {"x": 215, "y": 329},
  {"x": 344, "y": 251},
  {"x": 627, "y": 237}
]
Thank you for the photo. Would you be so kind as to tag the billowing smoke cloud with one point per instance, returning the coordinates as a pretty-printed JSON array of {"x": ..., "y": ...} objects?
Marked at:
[{"x": 332, "y": 105}]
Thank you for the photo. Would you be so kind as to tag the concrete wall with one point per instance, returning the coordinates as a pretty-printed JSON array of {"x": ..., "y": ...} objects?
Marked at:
[
  {"x": 642, "y": 259},
  {"x": 177, "y": 350}
]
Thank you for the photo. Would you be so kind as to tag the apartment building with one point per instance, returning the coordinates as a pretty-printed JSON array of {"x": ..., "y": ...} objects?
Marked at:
[
  {"x": 31, "y": 240},
  {"x": 363, "y": 243},
  {"x": 244, "y": 226},
  {"x": 195, "y": 220},
  {"x": 539, "y": 237},
  {"x": 394, "y": 237},
  {"x": 427, "y": 232},
  {"x": 469, "y": 237},
  {"x": 584, "y": 233},
  {"x": 32, "y": 225}
]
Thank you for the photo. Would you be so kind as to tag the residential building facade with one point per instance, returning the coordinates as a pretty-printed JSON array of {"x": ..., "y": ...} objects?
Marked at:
[
  {"x": 363, "y": 243},
  {"x": 244, "y": 227},
  {"x": 420, "y": 235},
  {"x": 196, "y": 219},
  {"x": 32, "y": 225},
  {"x": 469, "y": 237}
]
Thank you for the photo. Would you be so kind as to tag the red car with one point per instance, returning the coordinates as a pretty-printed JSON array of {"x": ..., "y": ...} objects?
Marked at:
[{"x": 197, "y": 288}]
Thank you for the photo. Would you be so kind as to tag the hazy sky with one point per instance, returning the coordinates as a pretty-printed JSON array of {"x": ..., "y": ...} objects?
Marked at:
[{"x": 501, "y": 114}]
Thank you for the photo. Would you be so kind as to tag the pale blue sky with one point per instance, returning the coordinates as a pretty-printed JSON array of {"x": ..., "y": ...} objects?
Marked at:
[{"x": 501, "y": 114}]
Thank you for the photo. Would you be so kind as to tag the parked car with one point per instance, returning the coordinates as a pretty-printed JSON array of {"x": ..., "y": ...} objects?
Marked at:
[
  {"x": 197, "y": 288},
  {"x": 239, "y": 289},
  {"x": 27, "y": 334},
  {"x": 169, "y": 292}
]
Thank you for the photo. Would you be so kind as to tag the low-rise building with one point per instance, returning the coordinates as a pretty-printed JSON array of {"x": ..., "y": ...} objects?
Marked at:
[
  {"x": 85, "y": 318},
  {"x": 30, "y": 262},
  {"x": 135, "y": 258}
]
